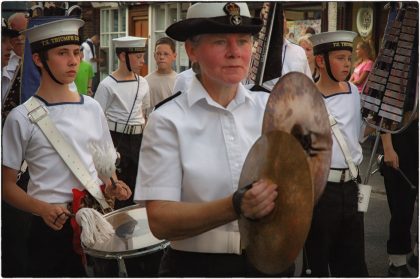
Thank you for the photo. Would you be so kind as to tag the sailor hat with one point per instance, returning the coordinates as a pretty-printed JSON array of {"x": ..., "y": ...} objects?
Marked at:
[
  {"x": 6, "y": 31},
  {"x": 212, "y": 18},
  {"x": 53, "y": 34},
  {"x": 329, "y": 41},
  {"x": 130, "y": 44}
]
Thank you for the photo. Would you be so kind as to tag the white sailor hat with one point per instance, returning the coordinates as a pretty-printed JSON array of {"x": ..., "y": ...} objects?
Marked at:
[
  {"x": 130, "y": 44},
  {"x": 329, "y": 41},
  {"x": 53, "y": 34},
  {"x": 215, "y": 17}
]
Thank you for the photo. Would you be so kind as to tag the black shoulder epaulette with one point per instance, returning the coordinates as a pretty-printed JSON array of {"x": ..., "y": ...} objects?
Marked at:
[
  {"x": 259, "y": 88},
  {"x": 167, "y": 100}
]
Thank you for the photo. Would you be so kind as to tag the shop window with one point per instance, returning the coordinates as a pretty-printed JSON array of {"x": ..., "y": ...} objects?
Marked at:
[{"x": 301, "y": 16}]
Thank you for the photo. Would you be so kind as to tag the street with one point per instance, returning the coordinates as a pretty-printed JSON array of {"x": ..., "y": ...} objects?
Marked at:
[{"x": 377, "y": 220}]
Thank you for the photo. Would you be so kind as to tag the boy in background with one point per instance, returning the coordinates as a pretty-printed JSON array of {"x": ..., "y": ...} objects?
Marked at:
[
  {"x": 162, "y": 80},
  {"x": 124, "y": 97},
  {"x": 84, "y": 76}
]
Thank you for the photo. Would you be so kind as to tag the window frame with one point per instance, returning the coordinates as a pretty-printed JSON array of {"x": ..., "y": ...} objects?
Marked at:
[{"x": 107, "y": 33}]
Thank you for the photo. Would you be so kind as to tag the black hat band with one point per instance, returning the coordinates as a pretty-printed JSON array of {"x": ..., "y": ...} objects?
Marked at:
[
  {"x": 326, "y": 47},
  {"x": 55, "y": 42},
  {"x": 182, "y": 30},
  {"x": 130, "y": 49},
  {"x": 6, "y": 32}
]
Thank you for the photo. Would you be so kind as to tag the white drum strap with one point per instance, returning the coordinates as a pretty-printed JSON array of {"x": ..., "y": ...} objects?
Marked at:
[
  {"x": 38, "y": 114},
  {"x": 342, "y": 142}
]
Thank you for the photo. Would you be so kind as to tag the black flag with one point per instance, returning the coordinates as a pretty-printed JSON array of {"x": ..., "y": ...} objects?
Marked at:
[{"x": 266, "y": 62}]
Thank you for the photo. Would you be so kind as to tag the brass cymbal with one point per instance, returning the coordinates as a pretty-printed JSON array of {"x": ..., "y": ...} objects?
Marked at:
[
  {"x": 297, "y": 107},
  {"x": 272, "y": 243}
]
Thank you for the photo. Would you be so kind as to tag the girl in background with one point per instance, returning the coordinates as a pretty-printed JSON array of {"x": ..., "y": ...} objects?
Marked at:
[
  {"x": 363, "y": 65},
  {"x": 306, "y": 44}
]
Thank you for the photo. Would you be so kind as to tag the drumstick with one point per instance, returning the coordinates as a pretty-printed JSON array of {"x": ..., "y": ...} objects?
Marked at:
[
  {"x": 380, "y": 162},
  {"x": 406, "y": 179}
]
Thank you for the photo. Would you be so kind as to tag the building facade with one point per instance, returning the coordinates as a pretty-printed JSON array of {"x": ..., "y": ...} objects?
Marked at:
[{"x": 150, "y": 19}]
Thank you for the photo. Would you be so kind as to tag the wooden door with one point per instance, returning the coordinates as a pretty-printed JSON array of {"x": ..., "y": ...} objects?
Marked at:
[
  {"x": 139, "y": 27},
  {"x": 141, "y": 30}
]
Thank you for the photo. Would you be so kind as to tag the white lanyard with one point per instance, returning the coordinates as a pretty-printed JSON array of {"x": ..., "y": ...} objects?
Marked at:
[{"x": 342, "y": 142}]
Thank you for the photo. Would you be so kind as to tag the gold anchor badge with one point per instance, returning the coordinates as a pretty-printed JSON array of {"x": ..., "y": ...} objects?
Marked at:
[{"x": 233, "y": 10}]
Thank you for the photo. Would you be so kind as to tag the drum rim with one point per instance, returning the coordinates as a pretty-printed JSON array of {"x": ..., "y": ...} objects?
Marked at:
[
  {"x": 128, "y": 253},
  {"x": 127, "y": 208}
]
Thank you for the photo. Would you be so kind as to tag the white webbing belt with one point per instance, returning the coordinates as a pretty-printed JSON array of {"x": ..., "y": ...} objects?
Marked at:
[
  {"x": 38, "y": 114},
  {"x": 342, "y": 142}
]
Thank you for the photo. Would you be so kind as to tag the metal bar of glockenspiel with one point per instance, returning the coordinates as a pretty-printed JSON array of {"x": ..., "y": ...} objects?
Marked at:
[{"x": 375, "y": 148}]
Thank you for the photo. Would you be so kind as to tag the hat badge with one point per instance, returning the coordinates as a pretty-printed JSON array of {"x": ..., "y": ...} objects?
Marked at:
[{"x": 234, "y": 13}]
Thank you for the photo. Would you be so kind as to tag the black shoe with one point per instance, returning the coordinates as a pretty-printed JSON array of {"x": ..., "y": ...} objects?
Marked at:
[
  {"x": 413, "y": 261},
  {"x": 398, "y": 271}
]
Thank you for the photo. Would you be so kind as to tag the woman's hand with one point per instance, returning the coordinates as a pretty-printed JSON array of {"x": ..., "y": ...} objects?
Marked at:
[
  {"x": 119, "y": 190},
  {"x": 259, "y": 201},
  {"x": 391, "y": 158}
]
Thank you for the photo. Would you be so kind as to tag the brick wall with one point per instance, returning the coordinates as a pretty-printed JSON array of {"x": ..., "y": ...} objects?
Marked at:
[{"x": 91, "y": 17}]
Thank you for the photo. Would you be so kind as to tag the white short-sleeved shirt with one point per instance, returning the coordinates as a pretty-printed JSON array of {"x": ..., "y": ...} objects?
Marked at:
[
  {"x": 6, "y": 79},
  {"x": 51, "y": 180},
  {"x": 117, "y": 97},
  {"x": 294, "y": 60},
  {"x": 13, "y": 63},
  {"x": 193, "y": 150},
  {"x": 345, "y": 107},
  {"x": 88, "y": 54},
  {"x": 183, "y": 80},
  {"x": 8, "y": 72}
]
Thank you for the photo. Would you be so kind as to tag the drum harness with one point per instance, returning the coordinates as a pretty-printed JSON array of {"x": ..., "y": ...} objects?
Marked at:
[
  {"x": 95, "y": 226},
  {"x": 342, "y": 143}
]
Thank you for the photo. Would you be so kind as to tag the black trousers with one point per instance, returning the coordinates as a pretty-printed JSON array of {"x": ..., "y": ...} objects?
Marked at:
[
  {"x": 14, "y": 236},
  {"x": 401, "y": 198},
  {"x": 177, "y": 263},
  {"x": 50, "y": 252},
  {"x": 129, "y": 148},
  {"x": 335, "y": 245}
]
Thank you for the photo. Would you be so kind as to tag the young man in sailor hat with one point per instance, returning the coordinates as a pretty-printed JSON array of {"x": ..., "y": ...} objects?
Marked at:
[
  {"x": 6, "y": 47},
  {"x": 124, "y": 97},
  {"x": 55, "y": 47},
  {"x": 335, "y": 245}
]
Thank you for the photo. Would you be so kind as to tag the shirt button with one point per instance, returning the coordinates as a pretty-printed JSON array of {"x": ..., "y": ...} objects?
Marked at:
[{"x": 231, "y": 138}]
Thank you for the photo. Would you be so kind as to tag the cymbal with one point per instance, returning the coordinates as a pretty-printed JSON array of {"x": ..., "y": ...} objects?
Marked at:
[
  {"x": 297, "y": 107},
  {"x": 273, "y": 242}
]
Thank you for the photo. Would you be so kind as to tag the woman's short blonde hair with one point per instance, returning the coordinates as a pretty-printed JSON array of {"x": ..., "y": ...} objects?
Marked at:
[{"x": 305, "y": 38}]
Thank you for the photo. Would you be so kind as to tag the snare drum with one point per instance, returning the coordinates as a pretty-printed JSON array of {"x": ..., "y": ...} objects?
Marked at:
[{"x": 133, "y": 251}]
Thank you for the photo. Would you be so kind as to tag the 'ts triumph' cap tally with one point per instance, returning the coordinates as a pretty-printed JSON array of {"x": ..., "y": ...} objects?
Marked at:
[
  {"x": 329, "y": 41},
  {"x": 53, "y": 34}
]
